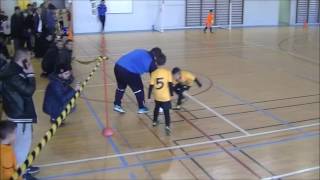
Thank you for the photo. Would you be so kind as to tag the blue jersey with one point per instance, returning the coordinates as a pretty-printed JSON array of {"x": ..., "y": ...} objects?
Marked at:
[
  {"x": 138, "y": 61},
  {"x": 102, "y": 9}
]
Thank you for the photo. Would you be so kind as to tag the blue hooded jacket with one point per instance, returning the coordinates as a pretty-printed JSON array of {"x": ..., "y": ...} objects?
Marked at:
[{"x": 58, "y": 94}]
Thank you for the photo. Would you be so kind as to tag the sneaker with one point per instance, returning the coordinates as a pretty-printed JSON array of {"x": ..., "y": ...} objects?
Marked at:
[
  {"x": 28, "y": 176},
  {"x": 178, "y": 107},
  {"x": 143, "y": 110},
  {"x": 32, "y": 170},
  {"x": 160, "y": 110},
  {"x": 119, "y": 109},
  {"x": 168, "y": 130},
  {"x": 155, "y": 123}
]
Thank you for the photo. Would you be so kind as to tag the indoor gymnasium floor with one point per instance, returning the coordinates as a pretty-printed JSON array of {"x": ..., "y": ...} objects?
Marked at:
[{"x": 260, "y": 79}]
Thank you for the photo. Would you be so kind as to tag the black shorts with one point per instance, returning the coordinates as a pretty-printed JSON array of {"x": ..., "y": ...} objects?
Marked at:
[
  {"x": 126, "y": 78},
  {"x": 164, "y": 105}
]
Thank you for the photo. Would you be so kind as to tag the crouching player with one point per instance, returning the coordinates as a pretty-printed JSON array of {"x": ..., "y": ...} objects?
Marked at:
[
  {"x": 182, "y": 81},
  {"x": 161, "y": 82}
]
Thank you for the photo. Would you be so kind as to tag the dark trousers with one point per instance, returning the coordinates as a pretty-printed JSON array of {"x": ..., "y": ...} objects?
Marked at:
[
  {"x": 16, "y": 43},
  {"x": 166, "y": 106},
  {"x": 126, "y": 78},
  {"x": 179, "y": 89},
  {"x": 27, "y": 41},
  {"x": 103, "y": 21},
  {"x": 205, "y": 29}
]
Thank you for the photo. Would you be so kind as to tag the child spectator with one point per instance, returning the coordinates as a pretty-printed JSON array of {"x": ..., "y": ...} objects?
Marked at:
[
  {"x": 8, "y": 162},
  {"x": 58, "y": 92}
]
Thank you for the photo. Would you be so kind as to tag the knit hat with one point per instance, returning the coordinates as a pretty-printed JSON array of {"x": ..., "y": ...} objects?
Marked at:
[{"x": 61, "y": 68}]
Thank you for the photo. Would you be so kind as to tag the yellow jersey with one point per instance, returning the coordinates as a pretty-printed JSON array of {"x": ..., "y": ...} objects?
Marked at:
[
  {"x": 160, "y": 79},
  {"x": 187, "y": 78}
]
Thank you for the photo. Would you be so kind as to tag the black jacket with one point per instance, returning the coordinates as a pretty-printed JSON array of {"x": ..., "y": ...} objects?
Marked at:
[
  {"x": 17, "y": 24},
  {"x": 50, "y": 60},
  {"x": 17, "y": 90}
]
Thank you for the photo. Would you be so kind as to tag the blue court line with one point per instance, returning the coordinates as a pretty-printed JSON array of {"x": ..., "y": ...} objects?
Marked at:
[
  {"x": 94, "y": 113},
  {"x": 261, "y": 110},
  {"x": 178, "y": 158},
  {"x": 123, "y": 161}
]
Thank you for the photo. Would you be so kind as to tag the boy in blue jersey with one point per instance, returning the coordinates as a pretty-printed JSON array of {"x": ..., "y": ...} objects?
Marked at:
[
  {"x": 128, "y": 70},
  {"x": 102, "y": 9}
]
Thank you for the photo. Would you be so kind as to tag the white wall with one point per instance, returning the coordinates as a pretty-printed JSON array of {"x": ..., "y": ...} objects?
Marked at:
[
  {"x": 8, "y": 6},
  {"x": 261, "y": 12},
  {"x": 145, "y": 14},
  {"x": 142, "y": 18},
  {"x": 293, "y": 12}
]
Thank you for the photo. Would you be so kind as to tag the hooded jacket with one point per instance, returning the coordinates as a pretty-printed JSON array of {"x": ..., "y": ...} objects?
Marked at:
[
  {"x": 57, "y": 95},
  {"x": 17, "y": 90}
]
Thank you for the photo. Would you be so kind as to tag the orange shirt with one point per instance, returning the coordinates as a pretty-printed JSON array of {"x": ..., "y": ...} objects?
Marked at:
[
  {"x": 8, "y": 161},
  {"x": 210, "y": 18}
]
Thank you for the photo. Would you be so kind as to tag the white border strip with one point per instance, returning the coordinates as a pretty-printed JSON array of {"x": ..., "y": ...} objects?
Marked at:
[
  {"x": 216, "y": 113},
  {"x": 176, "y": 147},
  {"x": 292, "y": 173}
]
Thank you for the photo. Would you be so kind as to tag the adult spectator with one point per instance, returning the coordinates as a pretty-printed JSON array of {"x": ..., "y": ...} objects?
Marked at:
[
  {"x": 18, "y": 87},
  {"x": 51, "y": 59},
  {"x": 28, "y": 27},
  {"x": 42, "y": 44},
  {"x": 51, "y": 19},
  {"x": 17, "y": 27}
]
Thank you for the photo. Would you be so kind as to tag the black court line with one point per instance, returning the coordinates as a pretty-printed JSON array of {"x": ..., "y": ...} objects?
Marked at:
[
  {"x": 195, "y": 162},
  {"x": 244, "y": 153},
  {"x": 257, "y": 102},
  {"x": 249, "y": 157},
  {"x": 244, "y": 165},
  {"x": 236, "y": 113}
]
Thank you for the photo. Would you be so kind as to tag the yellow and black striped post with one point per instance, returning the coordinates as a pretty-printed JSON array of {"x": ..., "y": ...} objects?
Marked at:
[{"x": 51, "y": 132}]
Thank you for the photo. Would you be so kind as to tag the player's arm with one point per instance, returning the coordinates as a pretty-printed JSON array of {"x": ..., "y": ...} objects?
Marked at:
[
  {"x": 170, "y": 83},
  {"x": 150, "y": 91},
  {"x": 198, "y": 82},
  {"x": 152, "y": 82},
  {"x": 171, "y": 86},
  {"x": 153, "y": 66}
]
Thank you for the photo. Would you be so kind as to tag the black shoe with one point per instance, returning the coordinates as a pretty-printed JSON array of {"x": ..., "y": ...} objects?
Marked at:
[
  {"x": 32, "y": 170},
  {"x": 28, "y": 176}
]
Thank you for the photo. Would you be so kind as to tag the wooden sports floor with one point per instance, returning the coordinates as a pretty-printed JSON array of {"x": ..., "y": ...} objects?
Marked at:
[{"x": 260, "y": 79}]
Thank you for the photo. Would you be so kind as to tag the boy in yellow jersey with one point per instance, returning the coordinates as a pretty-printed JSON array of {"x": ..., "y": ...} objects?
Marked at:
[
  {"x": 182, "y": 80},
  {"x": 161, "y": 82}
]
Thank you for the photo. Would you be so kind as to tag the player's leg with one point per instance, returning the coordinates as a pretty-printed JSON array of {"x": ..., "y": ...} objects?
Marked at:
[
  {"x": 156, "y": 113},
  {"x": 205, "y": 29},
  {"x": 120, "y": 75},
  {"x": 166, "y": 110},
  {"x": 135, "y": 83},
  {"x": 178, "y": 90}
]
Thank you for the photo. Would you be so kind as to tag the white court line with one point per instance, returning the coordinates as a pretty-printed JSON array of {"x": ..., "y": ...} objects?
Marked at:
[
  {"x": 176, "y": 147},
  {"x": 217, "y": 114},
  {"x": 312, "y": 61},
  {"x": 292, "y": 173}
]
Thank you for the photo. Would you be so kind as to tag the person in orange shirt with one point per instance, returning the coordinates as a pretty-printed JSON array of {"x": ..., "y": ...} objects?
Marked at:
[
  {"x": 8, "y": 161},
  {"x": 209, "y": 21}
]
